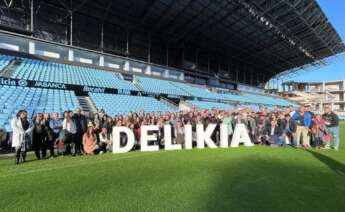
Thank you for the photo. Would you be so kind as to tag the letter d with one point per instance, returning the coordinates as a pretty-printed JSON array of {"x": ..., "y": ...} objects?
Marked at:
[{"x": 116, "y": 140}]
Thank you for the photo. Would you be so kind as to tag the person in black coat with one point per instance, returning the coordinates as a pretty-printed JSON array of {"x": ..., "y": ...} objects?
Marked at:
[
  {"x": 160, "y": 134},
  {"x": 81, "y": 123},
  {"x": 273, "y": 134},
  {"x": 49, "y": 139},
  {"x": 216, "y": 132},
  {"x": 259, "y": 133},
  {"x": 288, "y": 127},
  {"x": 38, "y": 137}
]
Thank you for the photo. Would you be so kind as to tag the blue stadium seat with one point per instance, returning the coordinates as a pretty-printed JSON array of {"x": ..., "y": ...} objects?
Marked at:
[
  {"x": 210, "y": 105},
  {"x": 47, "y": 71},
  {"x": 43, "y": 100},
  {"x": 196, "y": 91},
  {"x": 122, "y": 104},
  {"x": 34, "y": 100},
  {"x": 158, "y": 86},
  {"x": 267, "y": 100},
  {"x": 5, "y": 60}
]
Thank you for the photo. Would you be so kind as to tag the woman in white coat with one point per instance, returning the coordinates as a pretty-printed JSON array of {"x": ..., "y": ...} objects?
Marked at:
[{"x": 21, "y": 133}]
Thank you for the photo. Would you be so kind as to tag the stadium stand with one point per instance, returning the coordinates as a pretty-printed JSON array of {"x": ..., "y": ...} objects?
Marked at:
[
  {"x": 34, "y": 100},
  {"x": 46, "y": 71},
  {"x": 234, "y": 97},
  {"x": 255, "y": 99},
  {"x": 122, "y": 104},
  {"x": 158, "y": 86},
  {"x": 245, "y": 98},
  {"x": 268, "y": 100},
  {"x": 195, "y": 91},
  {"x": 209, "y": 105}
]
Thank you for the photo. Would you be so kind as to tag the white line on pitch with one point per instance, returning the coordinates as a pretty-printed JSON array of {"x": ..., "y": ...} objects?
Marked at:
[{"x": 74, "y": 165}]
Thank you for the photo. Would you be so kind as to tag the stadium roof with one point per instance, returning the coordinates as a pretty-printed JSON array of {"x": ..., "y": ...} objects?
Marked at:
[{"x": 265, "y": 36}]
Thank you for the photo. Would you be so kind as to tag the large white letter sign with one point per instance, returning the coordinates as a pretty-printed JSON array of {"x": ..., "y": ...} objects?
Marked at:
[
  {"x": 188, "y": 142},
  {"x": 240, "y": 136},
  {"x": 203, "y": 137},
  {"x": 224, "y": 142},
  {"x": 116, "y": 139},
  {"x": 167, "y": 139},
  {"x": 145, "y": 147}
]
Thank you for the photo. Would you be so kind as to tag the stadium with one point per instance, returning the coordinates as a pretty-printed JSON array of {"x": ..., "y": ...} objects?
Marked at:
[{"x": 199, "y": 67}]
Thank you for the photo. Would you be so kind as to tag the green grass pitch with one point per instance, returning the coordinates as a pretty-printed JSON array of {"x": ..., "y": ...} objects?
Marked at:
[{"x": 242, "y": 179}]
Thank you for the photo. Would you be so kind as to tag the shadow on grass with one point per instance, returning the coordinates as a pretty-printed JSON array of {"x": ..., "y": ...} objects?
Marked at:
[
  {"x": 279, "y": 185},
  {"x": 328, "y": 161}
]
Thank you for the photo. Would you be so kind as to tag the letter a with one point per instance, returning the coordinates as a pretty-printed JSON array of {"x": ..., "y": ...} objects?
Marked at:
[{"x": 240, "y": 136}]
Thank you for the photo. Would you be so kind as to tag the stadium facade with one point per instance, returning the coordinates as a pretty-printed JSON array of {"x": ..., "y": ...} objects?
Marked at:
[
  {"x": 318, "y": 94},
  {"x": 91, "y": 53}
]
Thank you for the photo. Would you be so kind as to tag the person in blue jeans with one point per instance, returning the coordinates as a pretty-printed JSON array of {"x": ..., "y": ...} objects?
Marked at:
[{"x": 332, "y": 123}]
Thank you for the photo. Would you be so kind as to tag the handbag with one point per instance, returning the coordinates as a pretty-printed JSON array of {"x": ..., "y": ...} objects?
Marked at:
[
  {"x": 326, "y": 137},
  {"x": 63, "y": 135},
  {"x": 61, "y": 146}
]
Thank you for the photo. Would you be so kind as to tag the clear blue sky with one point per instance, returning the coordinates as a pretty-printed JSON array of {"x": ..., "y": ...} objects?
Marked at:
[{"x": 335, "y": 67}]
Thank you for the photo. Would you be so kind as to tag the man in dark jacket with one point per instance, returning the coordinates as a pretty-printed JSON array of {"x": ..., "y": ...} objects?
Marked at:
[
  {"x": 288, "y": 127},
  {"x": 274, "y": 134},
  {"x": 81, "y": 123},
  {"x": 332, "y": 122}
]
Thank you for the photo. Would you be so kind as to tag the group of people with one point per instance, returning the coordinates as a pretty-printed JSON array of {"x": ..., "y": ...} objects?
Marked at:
[{"x": 75, "y": 133}]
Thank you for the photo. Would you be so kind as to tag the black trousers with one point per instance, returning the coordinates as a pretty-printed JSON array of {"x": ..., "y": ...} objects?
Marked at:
[
  {"x": 78, "y": 143},
  {"x": 51, "y": 142},
  {"x": 20, "y": 154},
  {"x": 102, "y": 147},
  {"x": 70, "y": 144},
  {"x": 39, "y": 145}
]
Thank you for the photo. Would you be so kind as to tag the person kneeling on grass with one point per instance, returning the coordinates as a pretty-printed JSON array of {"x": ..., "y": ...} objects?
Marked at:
[
  {"x": 90, "y": 141},
  {"x": 274, "y": 134}
]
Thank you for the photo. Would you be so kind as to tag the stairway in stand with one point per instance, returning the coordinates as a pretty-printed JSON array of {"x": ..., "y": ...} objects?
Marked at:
[
  {"x": 86, "y": 104},
  {"x": 168, "y": 102},
  {"x": 10, "y": 68}
]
